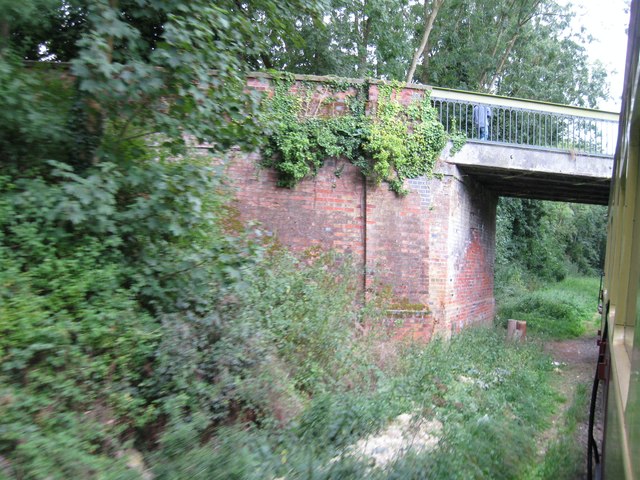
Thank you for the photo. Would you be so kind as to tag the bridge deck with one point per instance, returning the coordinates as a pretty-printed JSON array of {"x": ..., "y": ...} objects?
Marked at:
[
  {"x": 532, "y": 149},
  {"x": 517, "y": 171}
]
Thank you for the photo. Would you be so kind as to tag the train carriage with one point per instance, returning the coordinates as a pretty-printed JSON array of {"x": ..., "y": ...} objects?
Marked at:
[{"x": 617, "y": 454}]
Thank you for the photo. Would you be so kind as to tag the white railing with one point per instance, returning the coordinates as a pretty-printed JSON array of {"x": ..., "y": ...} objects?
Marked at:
[{"x": 525, "y": 122}]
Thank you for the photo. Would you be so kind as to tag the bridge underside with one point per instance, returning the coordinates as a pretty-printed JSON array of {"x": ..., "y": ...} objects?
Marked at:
[
  {"x": 515, "y": 171},
  {"x": 541, "y": 185}
]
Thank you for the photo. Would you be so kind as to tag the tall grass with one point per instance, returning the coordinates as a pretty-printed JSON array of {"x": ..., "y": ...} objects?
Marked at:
[
  {"x": 491, "y": 398},
  {"x": 565, "y": 457},
  {"x": 559, "y": 310}
]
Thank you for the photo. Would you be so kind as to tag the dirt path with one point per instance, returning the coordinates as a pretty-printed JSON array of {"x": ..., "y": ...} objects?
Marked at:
[{"x": 576, "y": 362}]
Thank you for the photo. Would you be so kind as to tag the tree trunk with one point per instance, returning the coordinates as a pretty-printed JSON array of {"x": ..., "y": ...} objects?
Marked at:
[
  {"x": 113, "y": 4},
  {"x": 426, "y": 59},
  {"x": 365, "y": 30},
  {"x": 435, "y": 6},
  {"x": 503, "y": 60},
  {"x": 266, "y": 61}
]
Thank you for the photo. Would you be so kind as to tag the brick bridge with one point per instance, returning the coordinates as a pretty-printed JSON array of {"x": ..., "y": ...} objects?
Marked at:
[{"x": 435, "y": 248}]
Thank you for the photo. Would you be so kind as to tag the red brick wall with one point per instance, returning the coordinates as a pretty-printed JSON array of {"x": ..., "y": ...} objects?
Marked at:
[
  {"x": 324, "y": 211},
  {"x": 472, "y": 255},
  {"x": 433, "y": 248},
  {"x": 397, "y": 250}
]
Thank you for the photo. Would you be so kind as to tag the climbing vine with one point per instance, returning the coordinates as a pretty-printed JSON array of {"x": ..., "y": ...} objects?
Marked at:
[
  {"x": 393, "y": 144},
  {"x": 299, "y": 139},
  {"x": 458, "y": 140},
  {"x": 404, "y": 142}
]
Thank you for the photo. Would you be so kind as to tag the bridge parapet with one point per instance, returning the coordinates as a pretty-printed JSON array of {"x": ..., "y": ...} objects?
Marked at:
[{"x": 529, "y": 123}]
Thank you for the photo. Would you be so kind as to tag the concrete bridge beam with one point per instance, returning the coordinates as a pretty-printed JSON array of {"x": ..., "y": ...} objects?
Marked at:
[{"x": 528, "y": 172}]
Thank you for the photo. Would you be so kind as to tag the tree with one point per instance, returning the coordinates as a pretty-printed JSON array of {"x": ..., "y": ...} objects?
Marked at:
[
  {"x": 511, "y": 48},
  {"x": 356, "y": 38},
  {"x": 430, "y": 13},
  {"x": 109, "y": 240},
  {"x": 129, "y": 57},
  {"x": 514, "y": 48},
  {"x": 557, "y": 68},
  {"x": 547, "y": 240}
]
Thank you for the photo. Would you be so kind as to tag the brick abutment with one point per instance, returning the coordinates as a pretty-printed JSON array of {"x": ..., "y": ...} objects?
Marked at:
[{"x": 434, "y": 249}]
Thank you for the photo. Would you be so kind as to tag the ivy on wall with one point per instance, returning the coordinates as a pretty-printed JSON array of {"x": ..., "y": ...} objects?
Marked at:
[
  {"x": 394, "y": 143},
  {"x": 404, "y": 142}
]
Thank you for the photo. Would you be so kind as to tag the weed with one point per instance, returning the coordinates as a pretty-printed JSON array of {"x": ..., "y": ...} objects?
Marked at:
[{"x": 490, "y": 398}]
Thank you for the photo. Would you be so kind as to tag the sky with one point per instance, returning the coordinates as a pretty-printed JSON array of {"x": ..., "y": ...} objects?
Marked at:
[{"x": 606, "y": 21}]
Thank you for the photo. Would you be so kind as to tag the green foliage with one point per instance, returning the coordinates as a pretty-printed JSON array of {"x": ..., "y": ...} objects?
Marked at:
[
  {"x": 545, "y": 241},
  {"x": 528, "y": 49},
  {"x": 41, "y": 101},
  {"x": 565, "y": 457},
  {"x": 458, "y": 140},
  {"x": 354, "y": 39},
  {"x": 103, "y": 237},
  {"x": 557, "y": 311},
  {"x": 300, "y": 141},
  {"x": 232, "y": 455},
  {"x": 88, "y": 263},
  {"x": 486, "y": 406},
  {"x": 397, "y": 143},
  {"x": 283, "y": 334},
  {"x": 404, "y": 142},
  {"x": 526, "y": 236},
  {"x": 128, "y": 58}
]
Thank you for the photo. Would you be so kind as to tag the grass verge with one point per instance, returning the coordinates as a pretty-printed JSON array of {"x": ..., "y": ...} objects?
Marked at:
[
  {"x": 559, "y": 311},
  {"x": 564, "y": 458}
]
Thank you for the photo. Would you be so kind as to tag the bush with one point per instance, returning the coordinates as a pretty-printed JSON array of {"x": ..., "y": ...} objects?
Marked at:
[
  {"x": 129, "y": 306},
  {"x": 94, "y": 265},
  {"x": 491, "y": 397},
  {"x": 538, "y": 242},
  {"x": 284, "y": 333}
]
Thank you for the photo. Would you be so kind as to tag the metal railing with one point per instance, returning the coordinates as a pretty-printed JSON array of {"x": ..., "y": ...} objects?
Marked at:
[{"x": 529, "y": 123}]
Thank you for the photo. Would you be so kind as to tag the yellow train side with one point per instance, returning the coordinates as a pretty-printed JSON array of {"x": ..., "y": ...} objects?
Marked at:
[{"x": 620, "y": 367}]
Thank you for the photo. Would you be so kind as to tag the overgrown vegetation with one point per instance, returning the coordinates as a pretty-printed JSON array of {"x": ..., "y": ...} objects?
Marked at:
[
  {"x": 131, "y": 318},
  {"x": 531, "y": 49},
  {"x": 142, "y": 331},
  {"x": 559, "y": 310},
  {"x": 564, "y": 458},
  {"x": 485, "y": 407},
  {"x": 548, "y": 259},
  {"x": 404, "y": 142},
  {"x": 300, "y": 140},
  {"x": 180, "y": 348},
  {"x": 397, "y": 143},
  {"x": 539, "y": 242}
]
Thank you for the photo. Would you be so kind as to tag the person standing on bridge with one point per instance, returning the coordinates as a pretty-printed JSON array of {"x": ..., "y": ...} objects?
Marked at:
[{"x": 482, "y": 120}]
